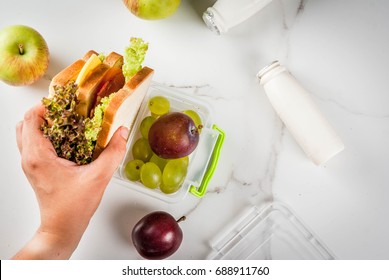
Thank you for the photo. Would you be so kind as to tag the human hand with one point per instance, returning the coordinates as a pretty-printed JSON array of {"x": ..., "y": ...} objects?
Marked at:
[{"x": 68, "y": 194}]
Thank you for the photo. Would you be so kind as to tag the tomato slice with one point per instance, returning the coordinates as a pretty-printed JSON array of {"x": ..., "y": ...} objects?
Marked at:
[{"x": 112, "y": 82}]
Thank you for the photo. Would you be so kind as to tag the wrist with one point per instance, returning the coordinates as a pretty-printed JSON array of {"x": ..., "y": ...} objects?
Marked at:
[{"x": 48, "y": 246}]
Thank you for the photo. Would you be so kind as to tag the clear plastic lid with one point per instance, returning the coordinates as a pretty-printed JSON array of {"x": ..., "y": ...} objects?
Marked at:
[{"x": 271, "y": 233}]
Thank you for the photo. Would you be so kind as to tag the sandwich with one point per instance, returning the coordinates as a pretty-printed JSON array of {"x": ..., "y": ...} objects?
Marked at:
[{"x": 91, "y": 98}]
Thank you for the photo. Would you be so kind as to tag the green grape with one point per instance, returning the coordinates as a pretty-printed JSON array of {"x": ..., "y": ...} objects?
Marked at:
[
  {"x": 141, "y": 150},
  {"x": 174, "y": 175},
  {"x": 155, "y": 116},
  {"x": 132, "y": 169},
  {"x": 159, "y": 105},
  {"x": 185, "y": 160},
  {"x": 195, "y": 117},
  {"x": 145, "y": 126},
  {"x": 161, "y": 162},
  {"x": 150, "y": 175}
]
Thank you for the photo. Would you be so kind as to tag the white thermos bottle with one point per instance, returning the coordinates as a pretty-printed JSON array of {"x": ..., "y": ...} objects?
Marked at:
[
  {"x": 300, "y": 114},
  {"x": 225, "y": 14}
]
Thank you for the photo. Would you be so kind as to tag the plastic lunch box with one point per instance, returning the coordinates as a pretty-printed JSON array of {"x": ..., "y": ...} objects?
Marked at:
[
  {"x": 202, "y": 161},
  {"x": 273, "y": 232},
  {"x": 270, "y": 232}
]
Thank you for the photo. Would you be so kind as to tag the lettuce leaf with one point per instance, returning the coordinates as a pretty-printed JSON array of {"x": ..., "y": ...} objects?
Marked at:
[
  {"x": 65, "y": 128},
  {"x": 93, "y": 126},
  {"x": 73, "y": 136},
  {"x": 134, "y": 56},
  {"x": 102, "y": 57}
]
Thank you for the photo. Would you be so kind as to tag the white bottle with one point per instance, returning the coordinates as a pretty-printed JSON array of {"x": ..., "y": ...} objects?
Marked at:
[
  {"x": 300, "y": 114},
  {"x": 225, "y": 14}
]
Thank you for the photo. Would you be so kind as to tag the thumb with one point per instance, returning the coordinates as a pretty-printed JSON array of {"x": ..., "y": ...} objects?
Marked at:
[{"x": 114, "y": 153}]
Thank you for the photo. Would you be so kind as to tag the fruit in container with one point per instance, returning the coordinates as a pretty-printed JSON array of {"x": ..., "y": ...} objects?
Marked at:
[
  {"x": 174, "y": 175},
  {"x": 145, "y": 126},
  {"x": 132, "y": 169},
  {"x": 157, "y": 235},
  {"x": 160, "y": 162},
  {"x": 24, "y": 55},
  {"x": 150, "y": 175},
  {"x": 159, "y": 105},
  {"x": 141, "y": 150},
  {"x": 195, "y": 117},
  {"x": 152, "y": 9},
  {"x": 165, "y": 173},
  {"x": 173, "y": 135}
]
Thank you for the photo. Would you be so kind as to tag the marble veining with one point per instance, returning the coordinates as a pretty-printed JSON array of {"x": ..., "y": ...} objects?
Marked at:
[
  {"x": 338, "y": 50},
  {"x": 301, "y": 7}
]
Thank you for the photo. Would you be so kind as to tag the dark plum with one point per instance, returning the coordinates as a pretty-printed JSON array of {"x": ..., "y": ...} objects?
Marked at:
[
  {"x": 157, "y": 235},
  {"x": 173, "y": 135}
]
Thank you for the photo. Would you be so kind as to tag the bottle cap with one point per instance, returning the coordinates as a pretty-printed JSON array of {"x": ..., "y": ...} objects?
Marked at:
[
  {"x": 262, "y": 74},
  {"x": 211, "y": 21},
  {"x": 267, "y": 68}
]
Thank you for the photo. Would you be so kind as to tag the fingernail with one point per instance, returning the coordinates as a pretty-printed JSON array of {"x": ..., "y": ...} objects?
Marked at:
[{"x": 124, "y": 132}]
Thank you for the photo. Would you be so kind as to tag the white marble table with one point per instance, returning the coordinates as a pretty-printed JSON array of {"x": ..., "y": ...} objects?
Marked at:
[{"x": 337, "y": 49}]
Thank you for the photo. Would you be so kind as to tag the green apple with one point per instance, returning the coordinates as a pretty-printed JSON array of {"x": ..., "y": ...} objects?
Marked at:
[
  {"x": 152, "y": 9},
  {"x": 24, "y": 55}
]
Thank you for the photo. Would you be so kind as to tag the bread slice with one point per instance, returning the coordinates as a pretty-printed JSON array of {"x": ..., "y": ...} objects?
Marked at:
[
  {"x": 123, "y": 108},
  {"x": 86, "y": 92},
  {"x": 70, "y": 73}
]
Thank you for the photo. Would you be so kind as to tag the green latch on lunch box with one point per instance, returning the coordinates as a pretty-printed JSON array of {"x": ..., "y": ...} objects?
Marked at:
[{"x": 200, "y": 191}]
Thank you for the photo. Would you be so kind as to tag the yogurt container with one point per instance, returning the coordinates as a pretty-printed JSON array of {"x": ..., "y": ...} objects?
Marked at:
[{"x": 303, "y": 118}]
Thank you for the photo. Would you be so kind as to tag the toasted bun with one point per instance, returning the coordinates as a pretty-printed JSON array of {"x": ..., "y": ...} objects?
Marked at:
[
  {"x": 123, "y": 108},
  {"x": 70, "y": 73}
]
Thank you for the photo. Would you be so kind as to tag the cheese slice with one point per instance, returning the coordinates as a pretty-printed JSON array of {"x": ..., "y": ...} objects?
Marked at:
[
  {"x": 70, "y": 73},
  {"x": 89, "y": 66}
]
